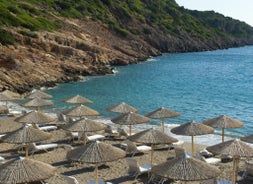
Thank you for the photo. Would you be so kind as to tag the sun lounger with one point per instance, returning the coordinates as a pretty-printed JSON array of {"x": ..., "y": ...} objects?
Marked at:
[
  {"x": 135, "y": 170},
  {"x": 99, "y": 182},
  {"x": 2, "y": 160},
  {"x": 205, "y": 153},
  {"x": 248, "y": 174},
  {"x": 43, "y": 127},
  {"x": 71, "y": 180},
  {"x": 132, "y": 149},
  {"x": 47, "y": 127},
  {"x": 1, "y": 135},
  {"x": 42, "y": 147},
  {"x": 80, "y": 135}
]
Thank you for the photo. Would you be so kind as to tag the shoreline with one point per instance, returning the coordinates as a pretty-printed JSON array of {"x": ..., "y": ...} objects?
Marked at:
[{"x": 17, "y": 109}]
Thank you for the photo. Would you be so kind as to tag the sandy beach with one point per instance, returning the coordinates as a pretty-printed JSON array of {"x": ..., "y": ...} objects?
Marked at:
[{"x": 115, "y": 172}]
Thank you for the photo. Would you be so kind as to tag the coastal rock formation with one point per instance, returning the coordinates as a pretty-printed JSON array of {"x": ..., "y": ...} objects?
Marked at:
[{"x": 88, "y": 46}]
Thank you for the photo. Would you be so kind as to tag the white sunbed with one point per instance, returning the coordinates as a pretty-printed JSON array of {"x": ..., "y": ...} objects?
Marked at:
[
  {"x": 135, "y": 170},
  {"x": 42, "y": 147},
  {"x": 79, "y": 135},
  {"x": 99, "y": 182}
]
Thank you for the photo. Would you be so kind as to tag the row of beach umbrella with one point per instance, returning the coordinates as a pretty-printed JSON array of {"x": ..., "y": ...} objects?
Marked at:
[{"x": 147, "y": 137}]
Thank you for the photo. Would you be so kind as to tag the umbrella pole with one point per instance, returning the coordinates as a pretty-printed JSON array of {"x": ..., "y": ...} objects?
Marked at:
[
  {"x": 96, "y": 172},
  {"x": 163, "y": 125},
  {"x": 192, "y": 145},
  {"x": 222, "y": 135},
  {"x": 235, "y": 169},
  {"x": 26, "y": 150},
  {"x": 234, "y": 165},
  {"x": 152, "y": 152},
  {"x": 130, "y": 129}
]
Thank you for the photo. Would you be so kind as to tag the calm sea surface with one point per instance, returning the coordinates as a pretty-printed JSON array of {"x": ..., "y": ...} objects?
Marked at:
[{"x": 198, "y": 85}]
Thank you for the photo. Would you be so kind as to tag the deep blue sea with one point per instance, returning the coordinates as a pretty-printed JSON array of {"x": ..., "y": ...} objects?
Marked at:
[{"x": 199, "y": 85}]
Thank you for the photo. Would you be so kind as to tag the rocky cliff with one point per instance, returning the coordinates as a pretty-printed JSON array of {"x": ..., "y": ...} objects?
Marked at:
[{"x": 90, "y": 46}]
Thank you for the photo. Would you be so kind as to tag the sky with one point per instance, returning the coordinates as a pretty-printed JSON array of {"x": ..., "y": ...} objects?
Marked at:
[{"x": 238, "y": 9}]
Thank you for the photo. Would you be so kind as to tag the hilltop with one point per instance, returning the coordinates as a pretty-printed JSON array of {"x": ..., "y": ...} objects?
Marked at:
[{"x": 47, "y": 42}]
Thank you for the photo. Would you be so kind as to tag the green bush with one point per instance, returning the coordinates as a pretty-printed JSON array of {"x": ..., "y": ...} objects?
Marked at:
[
  {"x": 6, "y": 38},
  {"x": 29, "y": 34}
]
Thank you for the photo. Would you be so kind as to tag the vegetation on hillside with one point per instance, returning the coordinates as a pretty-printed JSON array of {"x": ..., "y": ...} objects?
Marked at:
[{"x": 34, "y": 15}]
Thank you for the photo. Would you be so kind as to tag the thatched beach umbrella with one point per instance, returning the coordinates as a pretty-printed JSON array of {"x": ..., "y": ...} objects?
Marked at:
[
  {"x": 59, "y": 179},
  {"x": 78, "y": 100},
  {"x": 37, "y": 103},
  {"x": 121, "y": 108},
  {"x": 24, "y": 170},
  {"x": 152, "y": 137},
  {"x": 192, "y": 129},
  {"x": 236, "y": 149},
  {"x": 223, "y": 122},
  {"x": 162, "y": 113},
  {"x": 25, "y": 135},
  {"x": 95, "y": 153},
  {"x": 6, "y": 98},
  {"x": 130, "y": 118},
  {"x": 35, "y": 117},
  {"x": 80, "y": 111},
  {"x": 84, "y": 125},
  {"x": 186, "y": 168},
  {"x": 38, "y": 94}
]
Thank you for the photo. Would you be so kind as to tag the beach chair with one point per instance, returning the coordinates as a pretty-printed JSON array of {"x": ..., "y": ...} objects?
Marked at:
[
  {"x": 42, "y": 147},
  {"x": 71, "y": 180},
  {"x": 248, "y": 173},
  {"x": 206, "y": 153},
  {"x": 43, "y": 127},
  {"x": 2, "y": 160},
  {"x": 99, "y": 182},
  {"x": 1, "y": 135},
  {"x": 135, "y": 170},
  {"x": 84, "y": 136},
  {"x": 109, "y": 132},
  {"x": 179, "y": 152},
  {"x": 132, "y": 149},
  {"x": 94, "y": 137}
]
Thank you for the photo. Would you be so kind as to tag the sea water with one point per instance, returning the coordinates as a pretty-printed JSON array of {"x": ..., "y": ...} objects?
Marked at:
[{"x": 199, "y": 85}]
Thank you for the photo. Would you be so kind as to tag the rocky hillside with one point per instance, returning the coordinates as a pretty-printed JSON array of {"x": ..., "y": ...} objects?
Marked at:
[{"x": 52, "y": 41}]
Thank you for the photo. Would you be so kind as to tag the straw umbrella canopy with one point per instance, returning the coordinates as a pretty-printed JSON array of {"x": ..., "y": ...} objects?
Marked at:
[
  {"x": 38, "y": 94},
  {"x": 152, "y": 137},
  {"x": 223, "y": 122},
  {"x": 59, "y": 179},
  {"x": 95, "y": 153},
  {"x": 192, "y": 129},
  {"x": 84, "y": 125},
  {"x": 130, "y": 118},
  {"x": 248, "y": 138},
  {"x": 35, "y": 117},
  {"x": 162, "y": 113},
  {"x": 121, "y": 108},
  {"x": 5, "y": 98},
  {"x": 78, "y": 100},
  {"x": 186, "y": 168},
  {"x": 37, "y": 103},
  {"x": 80, "y": 111},
  {"x": 25, "y": 170},
  {"x": 25, "y": 135},
  {"x": 236, "y": 149}
]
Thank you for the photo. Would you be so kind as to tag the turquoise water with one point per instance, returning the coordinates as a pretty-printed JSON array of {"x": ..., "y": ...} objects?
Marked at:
[{"x": 199, "y": 85}]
